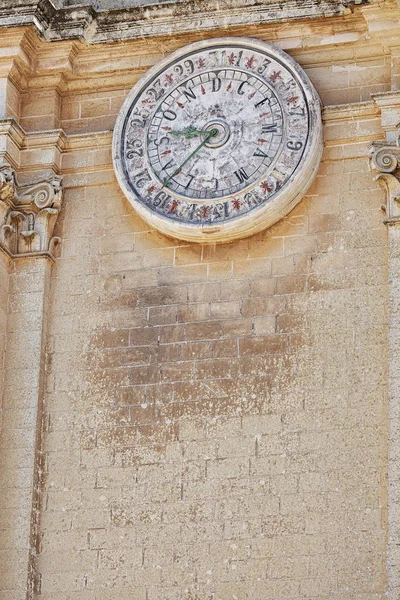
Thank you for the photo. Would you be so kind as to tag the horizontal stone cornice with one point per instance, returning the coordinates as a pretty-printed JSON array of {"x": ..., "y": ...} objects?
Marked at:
[
  {"x": 344, "y": 112},
  {"x": 26, "y": 255},
  {"x": 50, "y": 139},
  {"x": 71, "y": 66},
  {"x": 158, "y": 18}
]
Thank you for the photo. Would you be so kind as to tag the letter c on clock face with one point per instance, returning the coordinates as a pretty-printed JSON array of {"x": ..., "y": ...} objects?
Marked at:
[{"x": 219, "y": 140}]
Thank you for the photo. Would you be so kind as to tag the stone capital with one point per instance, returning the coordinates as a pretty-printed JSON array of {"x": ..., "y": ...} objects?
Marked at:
[
  {"x": 385, "y": 164},
  {"x": 28, "y": 214},
  {"x": 385, "y": 155}
]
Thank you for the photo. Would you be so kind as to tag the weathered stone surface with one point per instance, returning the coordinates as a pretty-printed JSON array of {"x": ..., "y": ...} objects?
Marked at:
[
  {"x": 106, "y": 20},
  {"x": 190, "y": 422}
]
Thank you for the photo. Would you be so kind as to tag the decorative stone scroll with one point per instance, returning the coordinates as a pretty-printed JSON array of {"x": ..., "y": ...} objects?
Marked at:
[
  {"x": 385, "y": 164},
  {"x": 28, "y": 214}
]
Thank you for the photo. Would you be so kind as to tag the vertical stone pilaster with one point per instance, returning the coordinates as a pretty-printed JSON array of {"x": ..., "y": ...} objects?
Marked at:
[
  {"x": 4, "y": 285},
  {"x": 10, "y": 91},
  {"x": 20, "y": 444},
  {"x": 27, "y": 219},
  {"x": 385, "y": 163},
  {"x": 393, "y": 552},
  {"x": 9, "y": 99}
]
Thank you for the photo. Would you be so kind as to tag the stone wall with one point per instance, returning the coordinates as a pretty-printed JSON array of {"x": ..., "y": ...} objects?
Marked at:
[
  {"x": 207, "y": 422},
  {"x": 217, "y": 414}
]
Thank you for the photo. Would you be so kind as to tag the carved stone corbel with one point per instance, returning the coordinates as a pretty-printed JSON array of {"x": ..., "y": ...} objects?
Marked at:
[
  {"x": 28, "y": 214},
  {"x": 385, "y": 165}
]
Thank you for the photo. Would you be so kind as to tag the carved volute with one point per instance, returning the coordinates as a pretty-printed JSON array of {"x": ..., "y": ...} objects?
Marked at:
[
  {"x": 28, "y": 214},
  {"x": 385, "y": 164}
]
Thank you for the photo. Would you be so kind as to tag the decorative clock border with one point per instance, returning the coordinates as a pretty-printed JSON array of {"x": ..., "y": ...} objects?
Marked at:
[{"x": 259, "y": 214}]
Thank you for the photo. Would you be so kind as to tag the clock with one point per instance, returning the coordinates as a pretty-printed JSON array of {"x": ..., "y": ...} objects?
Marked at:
[{"x": 219, "y": 140}]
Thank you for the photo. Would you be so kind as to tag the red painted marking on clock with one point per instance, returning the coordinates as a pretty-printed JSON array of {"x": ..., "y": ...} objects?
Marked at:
[
  {"x": 236, "y": 204},
  {"x": 264, "y": 114},
  {"x": 250, "y": 62},
  {"x": 252, "y": 95},
  {"x": 264, "y": 185},
  {"x": 229, "y": 87},
  {"x": 151, "y": 189},
  {"x": 262, "y": 141},
  {"x": 292, "y": 99},
  {"x": 275, "y": 75},
  {"x": 180, "y": 105},
  {"x": 204, "y": 211},
  {"x": 166, "y": 128},
  {"x": 165, "y": 152},
  {"x": 169, "y": 78},
  {"x": 232, "y": 58},
  {"x": 203, "y": 91},
  {"x": 201, "y": 63},
  {"x": 174, "y": 206}
]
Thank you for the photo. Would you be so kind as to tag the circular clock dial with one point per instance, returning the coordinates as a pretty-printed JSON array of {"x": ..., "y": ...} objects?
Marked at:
[{"x": 219, "y": 140}]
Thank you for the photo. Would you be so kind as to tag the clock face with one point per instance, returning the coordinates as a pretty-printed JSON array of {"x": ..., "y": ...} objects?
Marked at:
[
  {"x": 230, "y": 145},
  {"x": 219, "y": 140}
]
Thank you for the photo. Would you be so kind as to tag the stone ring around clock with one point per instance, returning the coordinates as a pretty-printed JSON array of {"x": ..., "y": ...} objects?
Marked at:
[{"x": 255, "y": 170}]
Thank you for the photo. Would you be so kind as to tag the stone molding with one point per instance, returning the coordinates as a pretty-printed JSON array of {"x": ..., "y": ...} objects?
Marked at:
[
  {"x": 28, "y": 214},
  {"x": 89, "y": 22}
]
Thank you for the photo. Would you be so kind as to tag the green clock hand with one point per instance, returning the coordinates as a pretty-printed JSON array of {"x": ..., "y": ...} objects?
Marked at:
[
  {"x": 189, "y": 132},
  {"x": 211, "y": 133}
]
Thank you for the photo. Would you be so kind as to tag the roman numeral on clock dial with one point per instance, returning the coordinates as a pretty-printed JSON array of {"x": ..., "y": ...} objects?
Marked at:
[
  {"x": 241, "y": 175},
  {"x": 269, "y": 128},
  {"x": 263, "y": 101},
  {"x": 190, "y": 177},
  {"x": 189, "y": 93},
  {"x": 168, "y": 164}
]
